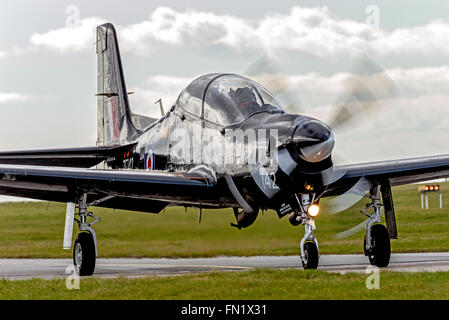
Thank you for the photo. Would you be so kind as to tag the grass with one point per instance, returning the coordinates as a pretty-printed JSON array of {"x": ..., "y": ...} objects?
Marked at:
[
  {"x": 259, "y": 284},
  {"x": 35, "y": 230}
]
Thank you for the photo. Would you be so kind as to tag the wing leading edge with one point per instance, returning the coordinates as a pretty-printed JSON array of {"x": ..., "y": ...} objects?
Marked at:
[
  {"x": 123, "y": 189},
  {"x": 68, "y": 157},
  {"x": 397, "y": 172}
]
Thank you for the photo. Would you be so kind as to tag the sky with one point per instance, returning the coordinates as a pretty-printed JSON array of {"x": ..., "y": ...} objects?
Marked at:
[{"x": 320, "y": 48}]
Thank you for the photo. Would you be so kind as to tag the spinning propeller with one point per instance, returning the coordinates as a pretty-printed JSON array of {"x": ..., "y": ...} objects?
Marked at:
[{"x": 365, "y": 93}]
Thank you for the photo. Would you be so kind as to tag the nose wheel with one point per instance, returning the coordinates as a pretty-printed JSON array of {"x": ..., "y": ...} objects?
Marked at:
[
  {"x": 309, "y": 245},
  {"x": 310, "y": 256}
]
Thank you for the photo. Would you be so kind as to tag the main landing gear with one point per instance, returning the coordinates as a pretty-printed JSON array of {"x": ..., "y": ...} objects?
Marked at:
[
  {"x": 377, "y": 239},
  {"x": 85, "y": 246}
]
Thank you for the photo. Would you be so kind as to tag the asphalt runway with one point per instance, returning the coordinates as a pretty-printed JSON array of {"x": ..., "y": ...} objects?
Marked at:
[{"x": 17, "y": 269}]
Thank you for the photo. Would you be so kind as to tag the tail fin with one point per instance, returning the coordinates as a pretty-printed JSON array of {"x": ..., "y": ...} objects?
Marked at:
[{"x": 114, "y": 117}]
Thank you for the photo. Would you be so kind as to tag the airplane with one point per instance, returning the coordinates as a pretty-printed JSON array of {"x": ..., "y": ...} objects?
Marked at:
[{"x": 200, "y": 153}]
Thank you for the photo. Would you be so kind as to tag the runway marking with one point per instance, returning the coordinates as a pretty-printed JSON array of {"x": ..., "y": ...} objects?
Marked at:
[
  {"x": 118, "y": 265},
  {"x": 172, "y": 266}
]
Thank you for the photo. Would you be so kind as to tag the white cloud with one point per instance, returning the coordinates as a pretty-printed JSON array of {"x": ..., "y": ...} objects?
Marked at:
[
  {"x": 12, "y": 97},
  {"x": 315, "y": 31},
  {"x": 190, "y": 28},
  {"x": 154, "y": 88},
  {"x": 317, "y": 94},
  {"x": 16, "y": 51},
  {"x": 316, "y": 91},
  {"x": 71, "y": 38},
  {"x": 424, "y": 80},
  {"x": 409, "y": 127}
]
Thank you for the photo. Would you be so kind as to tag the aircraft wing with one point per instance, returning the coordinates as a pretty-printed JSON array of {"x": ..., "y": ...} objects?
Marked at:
[
  {"x": 121, "y": 189},
  {"x": 396, "y": 172},
  {"x": 68, "y": 157}
]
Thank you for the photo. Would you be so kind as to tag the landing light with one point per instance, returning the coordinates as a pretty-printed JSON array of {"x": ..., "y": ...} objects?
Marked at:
[{"x": 313, "y": 210}]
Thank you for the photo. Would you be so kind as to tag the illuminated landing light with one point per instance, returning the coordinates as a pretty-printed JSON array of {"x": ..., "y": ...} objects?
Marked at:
[{"x": 313, "y": 210}]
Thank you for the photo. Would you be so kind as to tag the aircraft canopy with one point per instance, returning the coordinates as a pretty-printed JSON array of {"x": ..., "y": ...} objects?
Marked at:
[{"x": 226, "y": 99}]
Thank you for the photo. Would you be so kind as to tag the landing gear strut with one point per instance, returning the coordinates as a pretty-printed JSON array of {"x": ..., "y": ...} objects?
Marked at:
[
  {"x": 85, "y": 247},
  {"x": 309, "y": 244},
  {"x": 377, "y": 240},
  {"x": 309, "y": 247}
]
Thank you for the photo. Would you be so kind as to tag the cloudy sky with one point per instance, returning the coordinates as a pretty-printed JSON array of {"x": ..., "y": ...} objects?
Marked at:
[{"x": 48, "y": 64}]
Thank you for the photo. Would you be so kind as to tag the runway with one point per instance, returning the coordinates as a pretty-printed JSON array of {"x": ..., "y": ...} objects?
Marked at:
[{"x": 20, "y": 269}]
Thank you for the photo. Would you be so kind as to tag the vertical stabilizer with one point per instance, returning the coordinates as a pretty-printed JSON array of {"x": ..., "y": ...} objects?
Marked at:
[{"x": 114, "y": 123}]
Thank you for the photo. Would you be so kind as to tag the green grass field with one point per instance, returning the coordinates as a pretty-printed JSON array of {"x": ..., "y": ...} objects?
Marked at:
[
  {"x": 293, "y": 284},
  {"x": 36, "y": 230}
]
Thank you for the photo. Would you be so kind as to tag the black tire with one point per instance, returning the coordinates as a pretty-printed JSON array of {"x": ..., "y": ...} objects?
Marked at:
[
  {"x": 380, "y": 253},
  {"x": 311, "y": 257},
  {"x": 84, "y": 254}
]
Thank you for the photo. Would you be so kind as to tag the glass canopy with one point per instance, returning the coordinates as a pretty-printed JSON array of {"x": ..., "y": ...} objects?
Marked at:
[{"x": 226, "y": 99}]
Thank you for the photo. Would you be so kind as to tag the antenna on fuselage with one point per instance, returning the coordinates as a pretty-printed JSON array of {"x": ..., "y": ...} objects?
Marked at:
[{"x": 160, "y": 105}]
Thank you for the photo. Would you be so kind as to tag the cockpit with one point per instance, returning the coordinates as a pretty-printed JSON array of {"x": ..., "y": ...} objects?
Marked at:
[{"x": 226, "y": 99}]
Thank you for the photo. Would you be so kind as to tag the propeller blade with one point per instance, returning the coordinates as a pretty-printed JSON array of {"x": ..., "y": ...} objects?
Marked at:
[
  {"x": 364, "y": 94},
  {"x": 269, "y": 74},
  {"x": 351, "y": 231},
  {"x": 332, "y": 175},
  {"x": 346, "y": 200}
]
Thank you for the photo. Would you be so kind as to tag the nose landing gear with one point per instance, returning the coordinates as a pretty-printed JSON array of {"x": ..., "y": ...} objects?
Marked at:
[
  {"x": 309, "y": 244},
  {"x": 309, "y": 248}
]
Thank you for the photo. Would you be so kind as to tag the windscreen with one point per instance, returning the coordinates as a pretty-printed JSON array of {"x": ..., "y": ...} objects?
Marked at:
[
  {"x": 231, "y": 99},
  {"x": 226, "y": 99}
]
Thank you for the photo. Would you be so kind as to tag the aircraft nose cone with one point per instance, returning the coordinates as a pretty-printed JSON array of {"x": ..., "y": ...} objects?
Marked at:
[
  {"x": 318, "y": 152},
  {"x": 313, "y": 130},
  {"x": 317, "y": 140}
]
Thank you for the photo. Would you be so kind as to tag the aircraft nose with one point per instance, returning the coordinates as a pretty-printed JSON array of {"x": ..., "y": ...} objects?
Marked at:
[{"x": 314, "y": 139}]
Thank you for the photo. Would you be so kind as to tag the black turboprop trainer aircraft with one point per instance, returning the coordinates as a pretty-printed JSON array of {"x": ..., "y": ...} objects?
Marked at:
[{"x": 200, "y": 154}]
